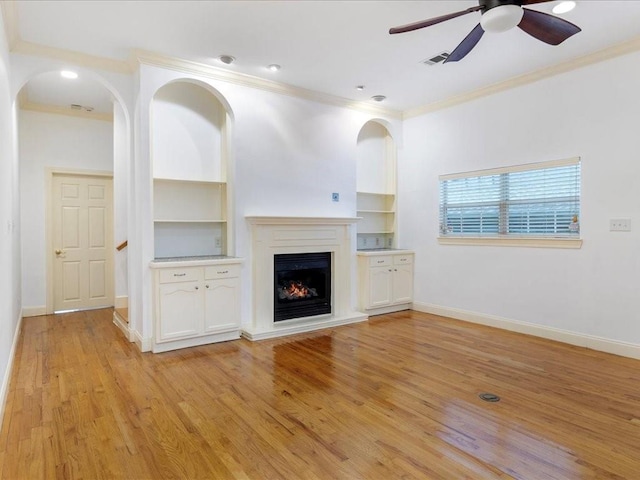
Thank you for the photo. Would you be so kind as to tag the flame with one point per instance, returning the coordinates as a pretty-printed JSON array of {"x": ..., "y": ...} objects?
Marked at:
[{"x": 297, "y": 290}]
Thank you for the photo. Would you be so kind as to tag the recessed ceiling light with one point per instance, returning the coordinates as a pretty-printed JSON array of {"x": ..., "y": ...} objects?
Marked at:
[
  {"x": 563, "y": 7},
  {"x": 226, "y": 59},
  {"x": 68, "y": 74},
  {"x": 360, "y": 88},
  {"x": 274, "y": 67},
  {"x": 378, "y": 98}
]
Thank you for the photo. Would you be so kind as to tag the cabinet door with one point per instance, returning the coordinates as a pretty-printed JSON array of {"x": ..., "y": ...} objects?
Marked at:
[
  {"x": 402, "y": 283},
  {"x": 180, "y": 310},
  {"x": 222, "y": 305},
  {"x": 379, "y": 286}
]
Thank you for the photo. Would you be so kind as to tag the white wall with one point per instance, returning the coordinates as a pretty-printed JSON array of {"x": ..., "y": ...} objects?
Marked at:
[
  {"x": 49, "y": 140},
  {"x": 288, "y": 155},
  {"x": 120, "y": 198},
  {"x": 186, "y": 125},
  {"x": 9, "y": 228},
  {"x": 374, "y": 171},
  {"x": 594, "y": 113}
]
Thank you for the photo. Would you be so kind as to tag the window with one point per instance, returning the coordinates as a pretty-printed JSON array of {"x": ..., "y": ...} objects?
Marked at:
[{"x": 527, "y": 201}]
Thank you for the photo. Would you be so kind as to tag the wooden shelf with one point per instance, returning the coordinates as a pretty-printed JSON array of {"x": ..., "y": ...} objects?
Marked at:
[
  {"x": 376, "y": 211},
  {"x": 376, "y": 193},
  {"x": 188, "y": 181}
]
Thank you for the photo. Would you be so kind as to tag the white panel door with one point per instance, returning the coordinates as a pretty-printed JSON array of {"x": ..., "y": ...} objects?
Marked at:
[{"x": 82, "y": 224}]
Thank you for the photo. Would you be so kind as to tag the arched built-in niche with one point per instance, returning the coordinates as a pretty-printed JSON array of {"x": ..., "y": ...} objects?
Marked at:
[
  {"x": 376, "y": 187},
  {"x": 189, "y": 154}
]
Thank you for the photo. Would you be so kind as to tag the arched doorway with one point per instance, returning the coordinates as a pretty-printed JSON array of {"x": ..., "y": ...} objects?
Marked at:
[{"x": 72, "y": 128}]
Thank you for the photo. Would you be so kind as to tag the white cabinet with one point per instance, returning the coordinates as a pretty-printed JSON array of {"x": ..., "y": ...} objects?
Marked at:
[
  {"x": 179, "y": 310},
  {"x": 196, "y": 302},
  {"x": 386, "y": 280},
  {"x": 222, "y": 297}
]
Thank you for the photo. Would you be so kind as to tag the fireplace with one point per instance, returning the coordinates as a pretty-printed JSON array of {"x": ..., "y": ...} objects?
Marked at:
[
  {"x": 301, "y": 285},
  {"x": 287, "y": 238}
]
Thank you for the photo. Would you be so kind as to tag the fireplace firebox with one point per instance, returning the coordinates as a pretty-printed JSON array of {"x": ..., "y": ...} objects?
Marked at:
[{"x": 302, "y": 285}]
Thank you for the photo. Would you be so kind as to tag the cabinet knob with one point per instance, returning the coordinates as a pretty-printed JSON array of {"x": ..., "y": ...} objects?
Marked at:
[
  {"x": 207, "y": 286},
  {"x": 197, "y": 288}
]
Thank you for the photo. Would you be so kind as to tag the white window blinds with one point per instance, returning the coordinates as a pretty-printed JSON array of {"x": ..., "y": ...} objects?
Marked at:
[{"x": 535, "y": 200}]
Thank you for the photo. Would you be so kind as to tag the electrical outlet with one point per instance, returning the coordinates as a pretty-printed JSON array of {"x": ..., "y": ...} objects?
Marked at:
[
  {"x": 620, "y": 225},
  {"x": 218, "y": 242}
]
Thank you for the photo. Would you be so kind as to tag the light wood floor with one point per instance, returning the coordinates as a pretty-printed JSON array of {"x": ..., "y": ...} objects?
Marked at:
[{"x": 396, "y": 397}]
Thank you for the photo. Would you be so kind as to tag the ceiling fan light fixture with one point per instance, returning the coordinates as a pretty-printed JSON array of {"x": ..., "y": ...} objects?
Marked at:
[
  {"x": 563, "y": 7},
  {"x": 274, "y": 67},
  {"x": 501, "y": 18}
]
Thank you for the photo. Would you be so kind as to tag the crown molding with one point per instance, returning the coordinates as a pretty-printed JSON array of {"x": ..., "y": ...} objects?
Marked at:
[
  {"x": 608, "y": 53},
  {"x": 76, "y": 58},
  {"x": 10, "y": 17},
  {"x": 17, "y": 45},
  {"x": 201, "y": 69}
]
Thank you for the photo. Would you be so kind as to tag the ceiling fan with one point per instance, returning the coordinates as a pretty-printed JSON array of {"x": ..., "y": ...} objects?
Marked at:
[{"x": 500, "y": 16}]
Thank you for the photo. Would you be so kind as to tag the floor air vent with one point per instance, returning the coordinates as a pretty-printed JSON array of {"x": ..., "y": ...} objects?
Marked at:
[
  {"x": 489, "y": 397},
  {"x": 439, "y": 58}
]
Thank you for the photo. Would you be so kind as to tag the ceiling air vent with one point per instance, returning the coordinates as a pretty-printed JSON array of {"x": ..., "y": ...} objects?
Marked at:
[
  {"x": 75, "y": 106},
  {"x": 439, "y": 58}
]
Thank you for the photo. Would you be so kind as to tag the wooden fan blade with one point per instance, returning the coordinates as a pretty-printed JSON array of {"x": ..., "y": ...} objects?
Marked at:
[
  {"x": 531, "y": 2},
  {"x": 466, "y": 45},
  {"x": 547, "y": 28},
  {"x": 432, "y": 21}
]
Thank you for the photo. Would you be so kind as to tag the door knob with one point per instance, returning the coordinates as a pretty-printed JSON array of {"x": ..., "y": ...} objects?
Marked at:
[{"x": 59, "y": 252}]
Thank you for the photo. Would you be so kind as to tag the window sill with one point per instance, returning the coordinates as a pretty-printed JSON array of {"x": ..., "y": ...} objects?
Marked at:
[{"x": 513, "y": 242}]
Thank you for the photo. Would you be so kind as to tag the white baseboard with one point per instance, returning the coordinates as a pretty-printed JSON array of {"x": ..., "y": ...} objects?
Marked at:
[
  {"x": 144, "y": 344},
  {"x": 4, "y": 389},
  {"x": 121, "y": 302},
  {"x": 123, "y": 326},
  {"x": 34, "y": 311},
  {"x": 616, "y": 347}
]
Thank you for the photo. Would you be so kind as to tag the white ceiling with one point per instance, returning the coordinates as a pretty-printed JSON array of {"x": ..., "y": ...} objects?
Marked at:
[{"x": 325, "y": 46}]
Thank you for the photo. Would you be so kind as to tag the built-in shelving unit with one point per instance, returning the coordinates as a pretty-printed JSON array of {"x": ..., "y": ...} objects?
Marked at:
[
  {"x": 376, "y": 199},
  {"x": 377, "y": 211},
  {"x": 189, "y": 185}
]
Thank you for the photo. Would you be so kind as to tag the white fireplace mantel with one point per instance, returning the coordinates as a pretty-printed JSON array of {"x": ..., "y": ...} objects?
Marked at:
[
  {"x": 264, "y": 220},
  {"x": 274, "y": 235}
]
